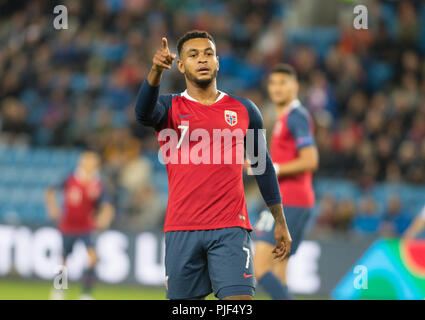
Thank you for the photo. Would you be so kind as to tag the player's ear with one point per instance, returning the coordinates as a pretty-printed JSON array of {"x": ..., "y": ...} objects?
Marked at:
[
  {"x": 218, "y": 63},
  {"x": 180, "y": 66}
]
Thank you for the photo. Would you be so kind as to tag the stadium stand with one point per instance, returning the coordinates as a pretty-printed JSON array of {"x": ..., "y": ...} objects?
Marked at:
[{"x": 62, "y": 91}]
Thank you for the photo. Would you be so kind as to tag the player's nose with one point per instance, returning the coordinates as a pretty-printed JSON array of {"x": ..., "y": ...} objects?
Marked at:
[{"x": 202, "y": 59}]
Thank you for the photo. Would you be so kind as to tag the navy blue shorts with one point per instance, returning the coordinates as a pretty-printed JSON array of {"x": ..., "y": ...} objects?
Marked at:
[
  {"x": 204, "y": 261},
  {"x": 68, "y": 241},
  {"x": 297, "y": 219}
]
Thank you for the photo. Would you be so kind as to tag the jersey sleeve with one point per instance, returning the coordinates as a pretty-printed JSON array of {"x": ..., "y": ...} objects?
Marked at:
[
  {"x": 105, "y": 197},
  {"x": 152, "y": 108},
  {"x": 300, "y": 127},
  {"x": 267, "y": 180}
]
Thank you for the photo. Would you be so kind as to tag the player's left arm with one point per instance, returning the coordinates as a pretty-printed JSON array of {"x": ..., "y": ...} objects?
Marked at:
[
  {"x": 267, "y": 181},
  {"x": 308, "y": 156},
  {"x": 52, "y": 207},
  {"x": 106, "y": 212}
]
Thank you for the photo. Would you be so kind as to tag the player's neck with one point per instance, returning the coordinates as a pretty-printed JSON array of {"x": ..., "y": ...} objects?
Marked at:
[
  {"x": 281, "y": 108},
  {"x": 205, "y": 95},
  {"x": 85, "y": 176}
]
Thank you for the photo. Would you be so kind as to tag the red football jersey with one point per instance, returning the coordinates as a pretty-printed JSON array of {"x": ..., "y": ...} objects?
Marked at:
[
  {"x": 293, "y": 131},
  {"x": 81, "y": 201},
  {"x": 205, "y": 196},
  {"x": 203, "y": 149}
]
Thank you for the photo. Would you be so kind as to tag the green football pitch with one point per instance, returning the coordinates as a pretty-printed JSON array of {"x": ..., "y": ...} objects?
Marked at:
[
  {"x": 11, "y": 289},
  {"x": 38, "y": 290}
]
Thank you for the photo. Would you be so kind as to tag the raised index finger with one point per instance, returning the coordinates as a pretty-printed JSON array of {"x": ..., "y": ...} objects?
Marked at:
[{"x": 164, "y": 44}]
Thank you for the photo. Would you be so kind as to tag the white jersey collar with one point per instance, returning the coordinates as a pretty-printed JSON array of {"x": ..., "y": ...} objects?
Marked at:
[
  {"x": 186, "y": 95},
  {"x": 81, "y": 175},
  {"x": 294, "y": 104}
]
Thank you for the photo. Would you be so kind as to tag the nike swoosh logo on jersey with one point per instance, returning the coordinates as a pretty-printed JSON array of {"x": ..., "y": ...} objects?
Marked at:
[
  {"x": 247, "y": 275},
  {"x": 185, "y": 115}
]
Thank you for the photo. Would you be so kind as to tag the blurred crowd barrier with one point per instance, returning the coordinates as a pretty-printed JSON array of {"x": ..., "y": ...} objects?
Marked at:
[
  {"x": 138, "y": 258},
  {"x": 372, "y": 268}
]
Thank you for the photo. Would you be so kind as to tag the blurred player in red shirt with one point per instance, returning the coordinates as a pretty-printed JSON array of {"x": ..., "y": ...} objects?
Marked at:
[
  {"x": 86, "y": 209},
  {"x": 295, "y": 157}
]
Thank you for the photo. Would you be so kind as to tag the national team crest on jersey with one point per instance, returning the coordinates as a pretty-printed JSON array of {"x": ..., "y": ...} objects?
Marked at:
[{"x": 231, "y": 117}]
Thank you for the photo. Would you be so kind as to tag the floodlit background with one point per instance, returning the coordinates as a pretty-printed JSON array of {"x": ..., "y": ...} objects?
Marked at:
[{"x": 64, "y": 90}]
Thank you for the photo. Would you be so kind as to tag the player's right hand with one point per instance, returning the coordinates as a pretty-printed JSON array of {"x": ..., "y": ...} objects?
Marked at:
[{"x": 163, "y": 59}]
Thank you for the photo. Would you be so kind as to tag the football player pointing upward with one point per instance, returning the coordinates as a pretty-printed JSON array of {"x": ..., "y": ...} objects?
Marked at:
[{"x": 207, "y": 230}]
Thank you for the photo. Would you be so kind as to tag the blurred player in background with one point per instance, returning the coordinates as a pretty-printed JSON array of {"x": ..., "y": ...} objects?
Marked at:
[
  {"x": 86, "y": 209},
  {"x": 416, "y": 227},
  {"x": 207, "y": 229},
  {"x": 295, "y": 157}
]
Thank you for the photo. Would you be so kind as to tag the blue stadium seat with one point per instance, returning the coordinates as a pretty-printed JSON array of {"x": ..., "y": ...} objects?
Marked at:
[
  {"x": 21, "y": 156},
  {"x": 340, "y": 189},
  {"x": 41, "y": 157},
  {"x": 160, "y": 182},
  {"x": 4, "y": 194},
  {"x": 18, "y": 196},
  {"x": 389, "y": 16},
  {"x": 9, "y": 214},
  {"x": 6, "y": 155},
  {"x": 3, "y": 170},
  {"x": 10, "y": 175},
  {"x": 321, "y": 39}
]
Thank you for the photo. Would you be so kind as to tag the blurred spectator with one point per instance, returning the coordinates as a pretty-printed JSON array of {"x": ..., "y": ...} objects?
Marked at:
[
  {"x": 409, "y": 24},
  {"x": 395, "y": 220},
  {"x": 142, "y": 204},
  {"x": 121, "y": 148},
  {"x": 326, "y": 215},
  {"x": 14, "y": 126},
  {"x": 345, "y": 212},
  {"x": 367, "y": 220}
]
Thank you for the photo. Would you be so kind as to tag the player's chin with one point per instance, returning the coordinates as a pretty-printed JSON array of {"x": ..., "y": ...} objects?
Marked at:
[
  {"x": 279, "y": 101},
  {"x": 204, "y": 75},
  {"x": 204, "y": 80}
]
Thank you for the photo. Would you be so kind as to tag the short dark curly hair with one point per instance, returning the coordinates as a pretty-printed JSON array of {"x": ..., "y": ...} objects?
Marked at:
[
  {"x": 284, "y": 68},
  {"x": 193, "y": 34}
]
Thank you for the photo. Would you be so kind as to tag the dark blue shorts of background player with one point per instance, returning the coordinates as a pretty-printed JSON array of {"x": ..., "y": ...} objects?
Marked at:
[
  {"x": 69, "y": 240},
  {"x": 89, "y": 276},
  {"x": 297, "y": 219},
  {"x": 271, "y": 274}
]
